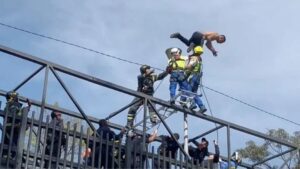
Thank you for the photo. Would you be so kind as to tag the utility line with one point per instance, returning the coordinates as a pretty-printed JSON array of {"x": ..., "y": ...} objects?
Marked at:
[
  {"x": 136, "y": 63},
  {"x": 72, "y": 44},
  {"x": 247, "y": 104}
]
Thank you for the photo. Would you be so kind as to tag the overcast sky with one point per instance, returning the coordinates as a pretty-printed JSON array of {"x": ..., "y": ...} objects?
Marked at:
[{"x": 259, "y": 63}]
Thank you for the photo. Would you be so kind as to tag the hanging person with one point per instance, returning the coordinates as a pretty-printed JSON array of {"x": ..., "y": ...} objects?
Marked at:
[
  {"x": 145, "y": 85},
  {"x": 198, "y": 38}
]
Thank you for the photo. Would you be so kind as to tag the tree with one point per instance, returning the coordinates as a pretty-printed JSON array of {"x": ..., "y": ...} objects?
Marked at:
[{"x": 256, "y": 153}]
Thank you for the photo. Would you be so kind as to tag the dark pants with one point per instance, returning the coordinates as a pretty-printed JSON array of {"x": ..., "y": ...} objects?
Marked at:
[
  {"x": 133, "y": 109},
  {"x": 196, "y": 38},
  {"x": 55, "y": 153},
  {"x": 163, "y": 163},
  {"x": 13, "y": 142},
  {"x": 105, "y": 161}
]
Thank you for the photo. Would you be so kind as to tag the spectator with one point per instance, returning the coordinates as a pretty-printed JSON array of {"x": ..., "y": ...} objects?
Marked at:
[
  {"x": 215, "y": 158},
  {"x": 105, "y": 133},
  {"x": 168, "y": 147},
  {"x": 54, "y": 140},
  {"x": 199, "y": 153},
  {"x": 134, "y": 148}
]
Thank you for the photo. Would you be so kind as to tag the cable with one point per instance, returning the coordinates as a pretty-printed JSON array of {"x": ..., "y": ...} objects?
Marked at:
[
  {"x": 136, "y": 63},
  {"x": 257, "y": 108},
  {"x": 208, "y": 104},
  {"x": 75, "y": 45}
]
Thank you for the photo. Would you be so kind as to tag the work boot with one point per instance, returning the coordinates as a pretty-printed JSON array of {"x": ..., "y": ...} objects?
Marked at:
[
  {"x": 174, "y": 35},
  {"x": 191, "y": 47},
  {"x": 202, "y": 109},
  {"x": 184, "y": 105},
  {"x": 172, "y": 101},
  {"x": 193, "y": 106},
  {"x": 154, "y": 119}
]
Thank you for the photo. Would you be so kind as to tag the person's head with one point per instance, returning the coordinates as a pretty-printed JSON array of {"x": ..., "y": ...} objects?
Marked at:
[
  {"x": 221, "y": 39},
  {"x": 198, "y": 50},
  {"x": 176, "y": 135},
  {"x": 12, "y": 96},
  {"x": 236, "y": 157},
  {"x": 56, "y": 115},
  {"x": 175, "y": 52},
  {"x": 102, "y": 123},
  {"x": 204, "y": 143},
  {"x": 146, "y": 69}
]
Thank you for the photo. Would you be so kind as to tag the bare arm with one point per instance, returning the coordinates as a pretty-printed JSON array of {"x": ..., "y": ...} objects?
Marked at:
[
  {"x": 209, "y": 37},
  {"x": 153, "y": 136}
]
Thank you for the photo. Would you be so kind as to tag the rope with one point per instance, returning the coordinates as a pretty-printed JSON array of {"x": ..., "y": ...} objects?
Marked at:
[{"x": 208, "y": 104}]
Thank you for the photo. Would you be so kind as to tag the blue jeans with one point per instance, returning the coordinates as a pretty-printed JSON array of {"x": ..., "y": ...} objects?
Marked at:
[
  {"x": 194, "y": 83},
  {"x": 178, "y": 77}
]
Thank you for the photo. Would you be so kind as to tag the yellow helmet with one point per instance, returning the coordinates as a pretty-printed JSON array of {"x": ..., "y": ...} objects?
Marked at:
[{"x": 198, "y": 50}]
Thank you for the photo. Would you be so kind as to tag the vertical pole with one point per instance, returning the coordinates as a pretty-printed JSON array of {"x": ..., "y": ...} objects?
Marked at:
[
  {"x": 41, "y": 113},
  {"x": 20, "y": 144},
  {"x": 298, "y": 157},
  {"x": 186, "y": 137},
  {"x": 228, "y": 145},
  {"x": 144, "y": 123}
]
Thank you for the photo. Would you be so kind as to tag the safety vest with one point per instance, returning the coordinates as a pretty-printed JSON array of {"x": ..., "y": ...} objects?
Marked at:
[
  {"x": 178, "y": 64},
  {"x": 197, "y": 64}
]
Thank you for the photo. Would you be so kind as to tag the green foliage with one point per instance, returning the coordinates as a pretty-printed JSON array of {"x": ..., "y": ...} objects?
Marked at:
[{"x": 256, "y": 153}]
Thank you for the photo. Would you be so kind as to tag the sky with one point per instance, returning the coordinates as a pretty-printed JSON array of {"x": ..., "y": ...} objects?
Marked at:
[{"x": 258, "y": 64}]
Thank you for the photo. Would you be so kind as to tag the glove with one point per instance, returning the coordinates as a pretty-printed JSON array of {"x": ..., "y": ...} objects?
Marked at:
[{"x": 169, "y": 69}]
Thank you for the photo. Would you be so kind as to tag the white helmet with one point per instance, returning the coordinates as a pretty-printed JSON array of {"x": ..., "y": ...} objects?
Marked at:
[
  {"x": 236, "y": 157},
  {"x": 175, "y": 50}
]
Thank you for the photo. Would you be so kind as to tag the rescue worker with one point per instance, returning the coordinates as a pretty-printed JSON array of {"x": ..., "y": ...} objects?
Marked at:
[
  {"x": 177, "y": 65},
  {"x": 14, "y": 112},
  {"x": 145, "y": 85},
  {"x": 54, "y": 138},
  {"x": 194, "y": 71},
  {"x": 198, "y": 38}
]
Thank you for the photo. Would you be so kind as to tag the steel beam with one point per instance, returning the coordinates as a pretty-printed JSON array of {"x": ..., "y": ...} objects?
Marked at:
[
  {"x": 272, "y": 157},
  {"x": 45, "y": 87},
  {"x": 145, "y": 123},
  {"x": 206, "y": 133},
  {"x": 122, "y": 109},
  {"x": 28, "y": 78},
  {"x": 73, "y": 100},
  {"x": 138, "y": 94},
  {"x": 65, "y": 112},
  {"x": 168, "y": 129},
  {"x": 228, "y": 146}
]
